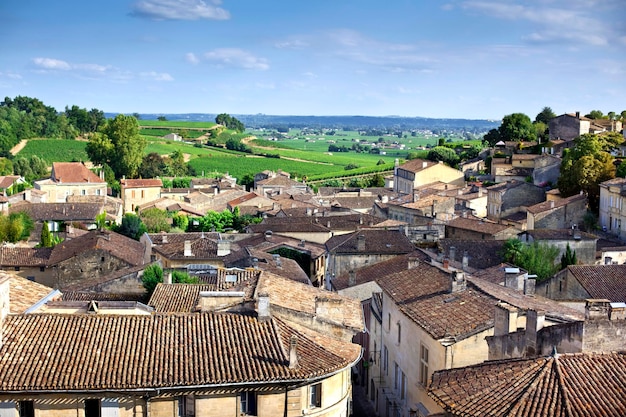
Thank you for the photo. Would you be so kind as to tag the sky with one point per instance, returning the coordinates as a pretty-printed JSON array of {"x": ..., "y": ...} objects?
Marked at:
[{"x": 414, "y": 58}]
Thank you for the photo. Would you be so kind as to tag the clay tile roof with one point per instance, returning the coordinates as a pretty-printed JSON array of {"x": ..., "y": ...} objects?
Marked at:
[
  {"x": 477, "y": 225},
  {"x": 376, "y": 241},
  {"x": 24, "y": 293},
  {"x": 290, "y": 295},
  {"x": 20, "y": 256},
  {"x": 177, "y": 350},
  {"x": 201, "y": 248},
  {"x": 551, "y": 205},
  {"x": 602, "y": 281},
  {"x": 73, "y": 172},
  {"x": 280, "y": 180},
  {"x": 119, "y": 246},
  {"x": 370, "y": 273},
  {"x": 415, "y": 165},
  {"x": 141, "y": 183},
  {"x": 480, "y": 253},
  {"x": 60, "y": 211},
  {"x": 567, "y": 385},
  {"x": 7, "y": 180},
  {"x": 183, "y": 298},
  {"x": 559, "y": 234}
]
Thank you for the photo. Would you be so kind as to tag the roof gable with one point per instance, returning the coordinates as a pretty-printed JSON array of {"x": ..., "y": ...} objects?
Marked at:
[{"x": 72, "y": 173}]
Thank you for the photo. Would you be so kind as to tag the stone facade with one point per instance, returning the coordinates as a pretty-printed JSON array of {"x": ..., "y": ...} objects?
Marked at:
[
  {"x": 568, "y": 126},
  {"x": 512, "y": 197}
]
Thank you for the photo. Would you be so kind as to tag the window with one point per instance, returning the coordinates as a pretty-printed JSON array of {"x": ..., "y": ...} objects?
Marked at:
[
  {"x": 83, "y": 192},
  {"x": 92, "y": 408},
  {"x": 30, "y": 278},
  {"x": 17, "y": 268},
  {"x": 388, "y": 321},
  {"x": 315, "y": 399},
  {"x": 132, "y": 194},
  {"x": 396, "y": 376},
  {"x": 27, "y": 409},
  {"x": 98, "y": 192},
  {"x": 385, "y": 360},
  {"x": 403, "y": 387},
  {"x": 423, "y": 365},
  {"x": 247, "y": 403},
  {"x": 186, "y": 406},
  {"x": 399, "y": 332},
  {"x": 42, "y": 269},
  {"x": 143, "y": 193}
]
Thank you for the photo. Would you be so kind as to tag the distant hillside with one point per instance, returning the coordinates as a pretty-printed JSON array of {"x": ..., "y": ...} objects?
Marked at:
[{"x": 337, "y": 122}]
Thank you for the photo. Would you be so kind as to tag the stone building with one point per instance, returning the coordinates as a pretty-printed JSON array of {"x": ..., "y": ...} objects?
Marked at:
[
  {"x": 71, "y": 178},
  {"x": 512, "y": 197},
  {"x": 419, "y": 172},
  {"x": 564, "y": 213},
  {"x": 137, "y": 192}
]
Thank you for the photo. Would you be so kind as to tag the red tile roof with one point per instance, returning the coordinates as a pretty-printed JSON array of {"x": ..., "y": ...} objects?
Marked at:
[
  {"x": 49, "y": 352},
  {"x": 602, "y": 281},
  {"x": 119, "y": 246},
  {"x": 582, "y": 384},
  {"x": 20, "y": 256},
  {"x": 141, "y": 183},
  {"x": 73, "y": 172}
]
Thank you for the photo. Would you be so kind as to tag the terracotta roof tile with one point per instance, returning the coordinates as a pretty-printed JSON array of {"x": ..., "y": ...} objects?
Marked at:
[
  {"x": 73, "y": 172},
  {"x": 108, "y": 352},
  {"x": 141, "y": 183},
  {"x": 60, "y": 211},
  {"x": 120, "y": 246},
  {"x": 24, "y": 293},
  {"x": 589, "y": 384},
  {"x": 20, "y": 256},
  {"x": 481, "y": 226},
  {"x": 376, "y": 241},
  {"x": 602, "y": 281}
]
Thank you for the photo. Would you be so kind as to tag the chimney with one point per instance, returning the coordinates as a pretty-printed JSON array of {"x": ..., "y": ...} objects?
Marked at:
[
  {"x": 578, "y": 115},
  {"x": 384, "y": 199},
  {"x": 464, "y": 214},
  {"x": 263, "y": 307},
  {"x": 187, "y": 248},
  {"x": 458, "y": 282},
  {"x": 277, "y": 260},
  {"x": 551, "y": 204},
  {"x": 513, "y": 279},
  {"x": 302, "y": 243},
  {"x": 480, "y": 192},
  {"x": 534, "y": 322},
  {"x": 446, "y": 263},
  {"x": 414, "y": 262},
  {"x": 215, "y": 191},
  {"x": 361, "y": 219},
  {"x": 416, "y": 196},
  {"x": 218, "y": 300},
  {"x": 505, "y": 320},
  {"x": 223, "y": 247},
  {"x": 617, "y": 311},
  {"x": 309, "y": 211},
  {"x": 529, "y": 285},
  {"x": 465, "y": 261},
  {"x": 597, "y": 309},
  {"x": 351, "y": 278},
  {"x": 255, "y": 263},
  {"x": 268, "y": 235},
  {"x": 164, "y": 239},
  {"x": 360, "y": 243},
  {"x": 452, "y": 254},
  {"x": 168, "y": 278},
  {"x": 424, "y": 164},
  {"x": 293, "y": 352}
]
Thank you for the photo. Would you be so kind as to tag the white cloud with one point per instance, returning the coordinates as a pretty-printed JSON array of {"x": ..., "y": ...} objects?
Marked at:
[
  {"x": 553, "y": 21},
  {"x": 179, "y": 10},
  {"x": 50, "y": 63},
  {"x": 11, "y": 75},
  {"x": 156, "y": 76},
  {"x": 238, "y": 58},
  {"x": 292, "y": 44},
  {"x": 191, "y": 58}
]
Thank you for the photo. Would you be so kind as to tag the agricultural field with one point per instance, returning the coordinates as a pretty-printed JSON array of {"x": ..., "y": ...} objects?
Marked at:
[
  {"x": 183, "y": 125},
  {"x": 55, "y": 150}
]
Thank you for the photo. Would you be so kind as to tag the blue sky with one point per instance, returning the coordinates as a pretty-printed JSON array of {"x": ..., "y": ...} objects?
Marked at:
[{"x": 428, "y": 58}]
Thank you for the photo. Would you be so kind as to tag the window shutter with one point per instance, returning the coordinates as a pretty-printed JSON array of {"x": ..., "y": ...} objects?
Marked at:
[
  {"x": 110, "y": 407},
  {"x": 8, "y": 409}
]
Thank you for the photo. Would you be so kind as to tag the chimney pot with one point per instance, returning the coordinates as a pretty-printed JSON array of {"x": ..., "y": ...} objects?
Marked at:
[
  {"x": 263, "y": 306},
  {"x": 351, "y": 278},
  {"x": 293, "y": 352}
]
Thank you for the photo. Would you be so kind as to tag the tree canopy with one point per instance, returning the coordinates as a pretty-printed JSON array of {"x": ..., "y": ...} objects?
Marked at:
[
  {"x": 536, "y": 258},
  {"x": 118, "y": 145},
  {"x": 229, "y": 122},
  {"x": 443, "y": 153},
  {"x": 545, "y": 115},
  {"x": 588, "y": 164},
  {"x": 515, "y": 127}
]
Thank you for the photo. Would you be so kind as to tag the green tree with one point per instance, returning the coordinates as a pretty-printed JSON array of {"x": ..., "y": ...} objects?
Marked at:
[
  {"x": 492, "y": 137},
  {"x": 536, "y": 258},
  {"x": 511, "y": 250},
  {"x": 15, "y": 227},
  {"x": 131, "y": 226},
  {"x": 155, "y": 220},
  {"x": 162, "y": 119},
  {"x": 180, "y": 221},
  {"x": 119, "y": 145},
  {"x": 568, "y": 258},
  {"x": 229, "y": 122},
  {"x": 595, "y": 114},
  {"x": 545, "y": 116},
  {"x": 443, "y": 153},
  {"x": 152, "y": 276},
  {"x": 517, "y": 127},
  {"x": 586, "y": 165},
  {"x": 377, "y": 180},
  {"x": 46, "y": 236},
  {"x": 176, "y": 165},
  {"x": 152, "y": 166}
]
